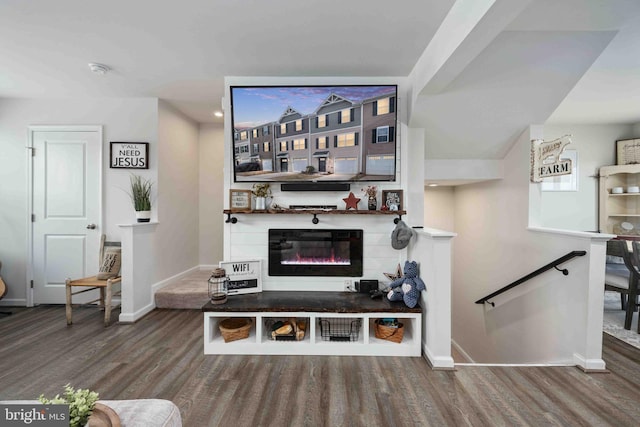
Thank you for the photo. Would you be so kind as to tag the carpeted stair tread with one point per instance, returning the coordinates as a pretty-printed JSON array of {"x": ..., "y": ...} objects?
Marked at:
[{"x": 190, "y": 292}]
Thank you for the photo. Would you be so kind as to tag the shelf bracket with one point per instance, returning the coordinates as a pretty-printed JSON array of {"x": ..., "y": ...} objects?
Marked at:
[
  {"x": 397, "y": 220},
  {"x": 231, "y": 219},
  {"x": 315, "y": 219}
]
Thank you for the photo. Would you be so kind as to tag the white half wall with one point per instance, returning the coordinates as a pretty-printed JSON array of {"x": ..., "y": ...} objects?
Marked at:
[{"x": 596, "y": 147}]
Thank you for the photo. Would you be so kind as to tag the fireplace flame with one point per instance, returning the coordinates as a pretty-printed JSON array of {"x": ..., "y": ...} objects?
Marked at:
[{"x": 312, "y": 260}]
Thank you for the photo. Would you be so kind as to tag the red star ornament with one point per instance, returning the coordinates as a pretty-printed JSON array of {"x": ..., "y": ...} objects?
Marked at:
[{"x": 351, "y": 201}]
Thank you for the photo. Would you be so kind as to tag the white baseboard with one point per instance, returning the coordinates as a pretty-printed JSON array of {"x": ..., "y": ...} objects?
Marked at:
[
  {"x": 208, "y": 267},
  {"x": 132, "y": 317},
  {"x": 13, "y": 302},
  {"x": 463, "y": 353},
  {"x": 438, "y": 362},
  {"x": 589, "y": 365}
]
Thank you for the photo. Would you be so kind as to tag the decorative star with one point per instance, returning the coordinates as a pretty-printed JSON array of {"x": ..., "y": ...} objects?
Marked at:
[
  {"x": 351, "y": 201},
  {"x": 394, "y": 276}
]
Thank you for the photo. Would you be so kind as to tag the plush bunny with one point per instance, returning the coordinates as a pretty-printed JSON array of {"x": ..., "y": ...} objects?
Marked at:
[{"x": 408, "y": 287}]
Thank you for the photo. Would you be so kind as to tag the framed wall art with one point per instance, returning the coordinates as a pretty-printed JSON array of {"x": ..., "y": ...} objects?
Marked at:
[
  {"x": 628, "y": 151},
  {"x": 392, "y": 200},
  {"x": 240, "y": 200},
  {"x": 564, "y": 182},
  {"x": 245, "y": 277},
  {"x": 129, "y": 155}
]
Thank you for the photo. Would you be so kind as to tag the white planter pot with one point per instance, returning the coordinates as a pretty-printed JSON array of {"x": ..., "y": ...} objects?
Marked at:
[
  {"x": 261, "y": 203},
  {"x": 143, "y": 216}
]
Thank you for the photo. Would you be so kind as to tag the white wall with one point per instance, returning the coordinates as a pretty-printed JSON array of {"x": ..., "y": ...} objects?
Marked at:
[
  {"x": 212, "y": 193},
  {"x": 178, "y": 186},
  {"x": 596, "y": 147},
  {"x": 541, "y": 321},
  {"x": 439, "y": 208},
  {"x": 122, "y": 120}
]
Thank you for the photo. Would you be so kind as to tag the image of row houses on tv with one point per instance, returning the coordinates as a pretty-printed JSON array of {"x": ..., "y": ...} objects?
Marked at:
[{"x": 348, "y": 134}]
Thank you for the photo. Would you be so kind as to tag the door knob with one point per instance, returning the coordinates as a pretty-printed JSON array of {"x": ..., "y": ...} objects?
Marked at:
[{"x": 91, "y": 227}]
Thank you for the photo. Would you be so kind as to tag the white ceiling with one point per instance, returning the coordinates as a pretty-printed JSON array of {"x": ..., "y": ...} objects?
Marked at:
[{"x": 519, "y": 62}]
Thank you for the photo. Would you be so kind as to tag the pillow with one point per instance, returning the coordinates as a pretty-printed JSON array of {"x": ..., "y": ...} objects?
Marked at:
[{"x": 110, "y": 265}]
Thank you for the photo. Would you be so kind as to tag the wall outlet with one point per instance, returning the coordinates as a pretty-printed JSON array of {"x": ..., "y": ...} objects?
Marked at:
[{"x": 348, "y": 286}]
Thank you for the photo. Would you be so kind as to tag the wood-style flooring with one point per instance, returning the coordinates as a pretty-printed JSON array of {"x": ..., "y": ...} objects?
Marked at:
[{"x": 161, "y": 356}]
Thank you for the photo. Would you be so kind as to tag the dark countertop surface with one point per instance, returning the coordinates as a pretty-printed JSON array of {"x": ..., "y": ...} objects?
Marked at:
[{"x": 312, "y": 301}]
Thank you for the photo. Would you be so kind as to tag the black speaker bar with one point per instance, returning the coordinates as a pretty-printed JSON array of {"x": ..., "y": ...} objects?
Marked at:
[{"x": 315, "y": 186}]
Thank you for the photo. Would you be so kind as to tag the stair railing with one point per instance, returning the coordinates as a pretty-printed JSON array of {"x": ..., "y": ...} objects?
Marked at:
[{"x": 553, "y": 264}]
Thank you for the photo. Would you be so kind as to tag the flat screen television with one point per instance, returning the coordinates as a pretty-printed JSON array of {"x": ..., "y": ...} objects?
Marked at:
[{"x": 319, "y": 134}]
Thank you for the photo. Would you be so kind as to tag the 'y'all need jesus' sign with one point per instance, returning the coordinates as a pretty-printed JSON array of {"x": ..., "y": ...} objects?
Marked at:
[
  {"x": 244, "y": 276},
  {"x": 545, "y": 158},
  {"x": 130, "y": 155}
]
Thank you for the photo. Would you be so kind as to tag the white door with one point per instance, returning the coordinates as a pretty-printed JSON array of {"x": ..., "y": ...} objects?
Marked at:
[{"x": 66, "y": 207}]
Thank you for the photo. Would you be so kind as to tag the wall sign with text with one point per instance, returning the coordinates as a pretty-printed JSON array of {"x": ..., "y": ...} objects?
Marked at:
[
  {"x": 129, "y": 155},
  {"x": 245, "y": 277}
]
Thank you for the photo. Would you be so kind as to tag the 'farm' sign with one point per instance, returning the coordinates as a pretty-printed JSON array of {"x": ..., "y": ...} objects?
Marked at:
[
  {"x": 130, "y": 155},
  {"x": 545, "y": 158}
]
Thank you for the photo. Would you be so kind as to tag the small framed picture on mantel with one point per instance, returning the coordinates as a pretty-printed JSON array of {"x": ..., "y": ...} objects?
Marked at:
[
  {"x": 392, "y": 200},
  {"x": 129, "y": 155},
  {"x": 240, "y": 200}
]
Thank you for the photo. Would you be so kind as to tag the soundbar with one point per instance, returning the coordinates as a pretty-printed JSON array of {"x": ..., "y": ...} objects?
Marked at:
[{"x": 315, "y": 186}]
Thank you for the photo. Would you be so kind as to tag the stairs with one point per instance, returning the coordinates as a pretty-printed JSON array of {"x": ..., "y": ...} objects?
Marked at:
[{"x": 190, "y": 292}]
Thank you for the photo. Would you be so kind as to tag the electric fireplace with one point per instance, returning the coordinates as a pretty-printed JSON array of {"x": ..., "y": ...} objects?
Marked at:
[{"x": 306, "y": 252}]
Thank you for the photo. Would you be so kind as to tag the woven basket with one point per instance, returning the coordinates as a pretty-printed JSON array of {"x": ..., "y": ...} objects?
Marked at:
[
  {"x": 235, "y": 328},
  {"x": 388, "y": 333}
]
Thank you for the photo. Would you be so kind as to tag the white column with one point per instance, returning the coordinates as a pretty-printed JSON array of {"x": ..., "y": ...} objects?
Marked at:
[
  {"x": 432, "y": 250},
  {"x": 137, "y": 264}
]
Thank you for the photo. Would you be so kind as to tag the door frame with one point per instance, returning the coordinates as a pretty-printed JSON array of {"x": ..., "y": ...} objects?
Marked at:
[{"x": 29, "y": 149}]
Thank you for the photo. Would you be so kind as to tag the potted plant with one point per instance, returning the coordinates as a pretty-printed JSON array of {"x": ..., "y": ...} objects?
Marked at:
[
  {"x": 141, "y": 197},
  {"x": 261, "y": 191},
  {"x": 81, "y": 404}
]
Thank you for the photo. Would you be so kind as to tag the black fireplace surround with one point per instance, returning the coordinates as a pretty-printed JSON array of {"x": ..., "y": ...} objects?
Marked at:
[{"x": 308, "y": 252}]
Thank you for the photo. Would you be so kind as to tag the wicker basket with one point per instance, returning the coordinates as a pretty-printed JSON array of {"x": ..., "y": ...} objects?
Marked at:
[
  {"x": 389, "y": 333},
  {"x": 235, "y": 328}
]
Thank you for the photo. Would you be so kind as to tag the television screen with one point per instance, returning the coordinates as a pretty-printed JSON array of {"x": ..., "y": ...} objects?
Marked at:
[{"x": 314, "y": 133}]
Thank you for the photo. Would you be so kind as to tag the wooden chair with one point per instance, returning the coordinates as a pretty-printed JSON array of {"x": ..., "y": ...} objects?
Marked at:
[
  {"x": 106, "y": 288},
  {"x": 623, "y": 278}
]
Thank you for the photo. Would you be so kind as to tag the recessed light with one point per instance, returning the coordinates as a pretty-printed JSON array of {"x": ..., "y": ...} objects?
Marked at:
[
  {"x": 432, "y": 185},
  {"x": 217, "y": 113},
  {"x": 98, "y": 68}
]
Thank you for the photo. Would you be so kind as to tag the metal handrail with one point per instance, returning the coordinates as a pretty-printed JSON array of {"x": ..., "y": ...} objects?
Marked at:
[{"x": 553, "y": 264}]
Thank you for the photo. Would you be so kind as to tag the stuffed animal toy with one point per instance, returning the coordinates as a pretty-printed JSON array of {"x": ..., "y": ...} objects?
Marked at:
[{"x": 408, "y": 287}]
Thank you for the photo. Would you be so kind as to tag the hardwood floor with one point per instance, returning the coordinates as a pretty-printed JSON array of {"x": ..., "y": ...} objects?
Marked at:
[{"x": 161, "y": 356}]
